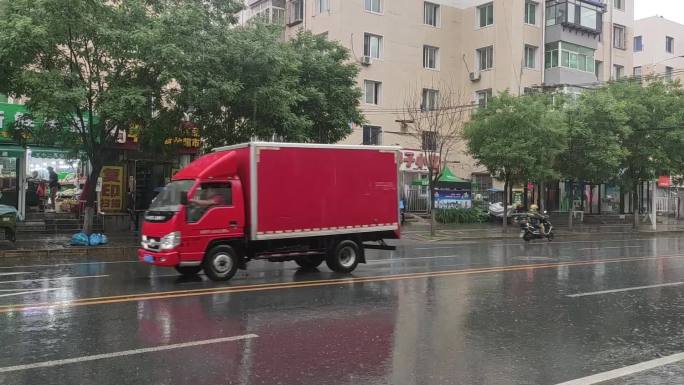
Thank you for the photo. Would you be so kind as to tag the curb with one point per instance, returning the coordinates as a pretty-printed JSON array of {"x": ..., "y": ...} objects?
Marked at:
[
  {"x": 105, "y": 251},
  {"x": 559, "y": 236}
]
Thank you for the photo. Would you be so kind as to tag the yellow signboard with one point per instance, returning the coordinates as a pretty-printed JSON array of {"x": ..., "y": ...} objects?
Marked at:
[{"x": 111, "y": 196}]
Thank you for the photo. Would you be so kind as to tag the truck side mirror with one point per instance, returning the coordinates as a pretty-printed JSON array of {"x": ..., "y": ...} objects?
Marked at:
[{"x": 184, "y": 198}]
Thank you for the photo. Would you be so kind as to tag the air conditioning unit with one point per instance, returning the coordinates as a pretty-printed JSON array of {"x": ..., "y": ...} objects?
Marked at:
[
  {"x": 366, "y": 60},
  {"x": 474, "y": 76}
]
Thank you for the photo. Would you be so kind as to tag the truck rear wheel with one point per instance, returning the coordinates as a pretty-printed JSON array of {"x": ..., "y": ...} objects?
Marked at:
[
  {"x": 309, "y": 262},
  {"x": 344, "y": 258},
  {"x": 220, "y": 263},
  {"x": 188, "y": 270}
]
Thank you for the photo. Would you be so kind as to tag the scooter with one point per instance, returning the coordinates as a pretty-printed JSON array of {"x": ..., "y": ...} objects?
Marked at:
[{"x": 528, "y": 231}]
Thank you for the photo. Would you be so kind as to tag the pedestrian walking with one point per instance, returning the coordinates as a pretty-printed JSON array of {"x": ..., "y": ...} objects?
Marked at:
[{"x": 53, "y": 184}]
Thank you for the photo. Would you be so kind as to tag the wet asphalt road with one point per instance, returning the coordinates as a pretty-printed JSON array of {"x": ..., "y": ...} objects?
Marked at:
[{"x": 496, "y": 312}]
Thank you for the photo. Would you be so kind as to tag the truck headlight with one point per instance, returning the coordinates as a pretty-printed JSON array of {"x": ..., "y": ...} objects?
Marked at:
[{"x": 170, "y": 241}]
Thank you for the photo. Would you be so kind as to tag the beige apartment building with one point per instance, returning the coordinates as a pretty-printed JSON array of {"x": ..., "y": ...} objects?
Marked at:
[
  {"x": 658, "y": 48},
  {"x": 474, "y": 48}
]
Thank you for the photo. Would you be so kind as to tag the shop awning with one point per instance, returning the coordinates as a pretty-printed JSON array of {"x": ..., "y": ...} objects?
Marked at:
[
  {"x": 449, "y": 177},
  {"x": 51, "y": 153},
  {"x": 11, "y": 151}
]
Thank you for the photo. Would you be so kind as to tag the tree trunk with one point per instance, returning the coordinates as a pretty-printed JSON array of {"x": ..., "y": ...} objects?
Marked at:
[
  {"x": 432, "y": 211},
  {"x": 542, "y": 196},
  {"x": 91, "y": 197},
  {"x": 636, "y": 206},
  {"x": 571, "y": 203},
  {"x": 505, "y": 205}
]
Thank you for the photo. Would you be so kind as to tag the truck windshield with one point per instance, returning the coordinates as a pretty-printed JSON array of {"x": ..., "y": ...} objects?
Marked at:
[{"x": 169, "y": 198}]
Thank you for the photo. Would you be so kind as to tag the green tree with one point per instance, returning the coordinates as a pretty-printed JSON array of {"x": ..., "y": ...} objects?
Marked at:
[
  {"x": 646, "y": 119},
  {"x": 93, "y": 68},
  {"x": 328, "y": 89},
  {"x": 253, "y": 84},
  {"x": 597, "y": 127},
  {"x": 517, "y": 138}
]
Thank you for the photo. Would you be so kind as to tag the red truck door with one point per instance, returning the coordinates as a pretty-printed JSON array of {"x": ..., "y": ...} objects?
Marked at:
[{"x": 214, "y": 211}]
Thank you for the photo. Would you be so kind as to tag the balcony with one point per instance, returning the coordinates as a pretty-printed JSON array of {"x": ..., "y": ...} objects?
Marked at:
[{"x": 582, "y": 16}]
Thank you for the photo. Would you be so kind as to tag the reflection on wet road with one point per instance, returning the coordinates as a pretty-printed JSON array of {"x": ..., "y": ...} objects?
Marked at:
[{"x": 430, "y": 313}]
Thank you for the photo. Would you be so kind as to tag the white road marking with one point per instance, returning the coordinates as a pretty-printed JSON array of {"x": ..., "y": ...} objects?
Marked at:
[
  {"x": 626, "y": 371},
  {"x": 65, "y": 264},
  {"x": 47, "y": 364},
  {"x": 54, "y": 279},
  {"x": 625, "y": 289},
  {"x": 14, "y": 273},
  {"x": 31, "y": 292}
]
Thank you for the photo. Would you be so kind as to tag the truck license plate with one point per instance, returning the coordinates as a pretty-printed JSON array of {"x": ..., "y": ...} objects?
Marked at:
[{"x": 148, "y": 258}]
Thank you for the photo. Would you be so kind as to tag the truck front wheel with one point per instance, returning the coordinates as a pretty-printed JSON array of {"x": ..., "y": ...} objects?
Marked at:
[
  {"x": 344, "y": 258},
  {"x": 220, "y": 263}
]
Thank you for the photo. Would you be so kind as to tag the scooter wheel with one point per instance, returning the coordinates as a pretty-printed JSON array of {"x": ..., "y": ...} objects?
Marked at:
[
  {"x": 527, "y": 237},
  {"x": 550, "y": 237}
]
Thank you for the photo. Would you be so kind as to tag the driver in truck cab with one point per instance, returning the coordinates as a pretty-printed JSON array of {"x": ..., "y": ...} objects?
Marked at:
[{"x": 213, "y": 197}]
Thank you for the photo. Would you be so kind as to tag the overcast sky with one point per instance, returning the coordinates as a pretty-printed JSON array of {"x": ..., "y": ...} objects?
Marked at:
[{"x": 670, "y": 9}]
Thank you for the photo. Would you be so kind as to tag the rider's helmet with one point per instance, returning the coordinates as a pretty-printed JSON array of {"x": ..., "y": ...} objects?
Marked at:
[{"x": 534, "y": 208}]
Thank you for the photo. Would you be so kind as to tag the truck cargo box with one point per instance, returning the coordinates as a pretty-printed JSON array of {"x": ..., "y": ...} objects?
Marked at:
[{"x": 299, "y": 190}]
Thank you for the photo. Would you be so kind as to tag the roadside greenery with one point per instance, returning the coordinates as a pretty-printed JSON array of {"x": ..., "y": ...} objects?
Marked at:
[
  {"x": 625, "y": 132},
  {"x": 461, "y": 216}
]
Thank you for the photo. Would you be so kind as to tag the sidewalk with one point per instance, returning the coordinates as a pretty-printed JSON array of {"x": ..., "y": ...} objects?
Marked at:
[
  {"x": 122, "y": 245},
  {"x": 420, "y": 231}
]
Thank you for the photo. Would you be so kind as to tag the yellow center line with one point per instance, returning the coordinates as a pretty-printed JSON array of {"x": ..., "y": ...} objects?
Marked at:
[{"x": 315, "y": 283}]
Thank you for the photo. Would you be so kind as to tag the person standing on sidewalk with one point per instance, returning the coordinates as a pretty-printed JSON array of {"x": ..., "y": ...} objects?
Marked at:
[{"x": 53, "y": 183}]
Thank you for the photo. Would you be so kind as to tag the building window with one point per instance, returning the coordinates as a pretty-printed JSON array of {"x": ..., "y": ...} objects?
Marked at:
[
  {"x": 431, "y": 14},
  {"x": 483, "y": 97},
  {"x": 429, "y": 141},
  {"x": 430, "y": 57},
  {"x": 486, "y": 14},
  {"x": 619, "y": 4},
  {"x": 372, "y": 135},
  {"x": 373, "y": 90},
  {"x": 638, "y": 43},
  {"x": 373, "y": 6},
  {"x": 598, "y": 66},
  {"x": 3, "y": 99},
  {"x": 568, "y": 55},
  {"x": 618, "y": 72},
  {"x": 531, "y": 12},
  {"x": 619, "y": 36},
  {"x": 668, "y": 73},
  {"x": 485, "y": 58},
  {"x": 637, "y": 72},
  {"x": 296, "y": 11},
  {"x": 430, "y": 100},
  {"x": 323, "y": 5},
  {"x": 669, "y": 44},
  {"x": 575, "y": 13},
  {"x": 372, "y": 45},
  {"x": 530, "y": 56}
]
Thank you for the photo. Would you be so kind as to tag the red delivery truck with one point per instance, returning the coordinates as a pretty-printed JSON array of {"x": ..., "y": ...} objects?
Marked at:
[{"x": 278, "y": 202}]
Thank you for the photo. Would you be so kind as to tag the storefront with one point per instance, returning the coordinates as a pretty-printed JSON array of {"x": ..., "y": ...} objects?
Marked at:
[
  {"x": 12, "y": 159},
  {"x": 70, "y": 172}
]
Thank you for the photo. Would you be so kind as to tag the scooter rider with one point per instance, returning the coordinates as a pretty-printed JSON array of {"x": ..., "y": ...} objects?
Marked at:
[{"x": 537, "y": 218}]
